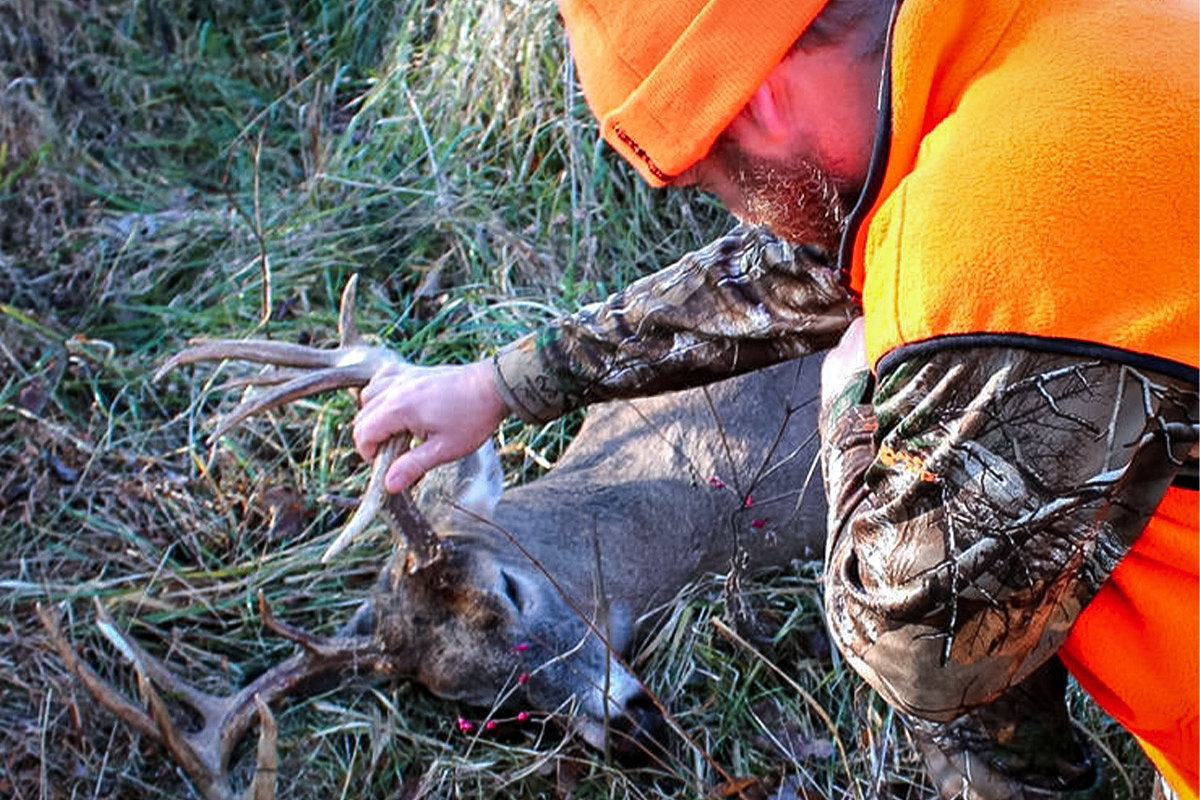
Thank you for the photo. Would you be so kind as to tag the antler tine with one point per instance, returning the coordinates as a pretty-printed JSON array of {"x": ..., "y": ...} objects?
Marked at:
[
  {"x": 347, "y": 376},
  {"x": 403, "y": 517},
  {"x": 205, "y": 754},
  {"x": 99, "y": 688},
  {"x": 262, "y": 787},
  {"x": 348, "y": 335},
  {"x": 259, "y": 351},
  {"x": 370, "y": 503},
  {"x": 336, "y": 647}
]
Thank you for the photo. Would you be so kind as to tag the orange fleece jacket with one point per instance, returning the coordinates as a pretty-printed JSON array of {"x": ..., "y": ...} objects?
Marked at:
[{"x": 1042, "y": 181}]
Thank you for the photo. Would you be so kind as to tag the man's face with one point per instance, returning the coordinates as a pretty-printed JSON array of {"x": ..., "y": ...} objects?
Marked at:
[{"x": 795, "y": 197}]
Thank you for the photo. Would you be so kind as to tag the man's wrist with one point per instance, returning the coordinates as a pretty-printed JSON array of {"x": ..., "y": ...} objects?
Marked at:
[{"x": 521, "y": 384}]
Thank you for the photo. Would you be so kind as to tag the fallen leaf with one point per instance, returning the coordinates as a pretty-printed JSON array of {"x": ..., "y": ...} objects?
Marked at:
[
  {"x": 742, "y": 788},
  {"x": 284, "y": 508}
]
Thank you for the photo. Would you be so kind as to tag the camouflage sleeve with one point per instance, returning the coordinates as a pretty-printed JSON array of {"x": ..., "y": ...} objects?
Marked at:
[
  {"x": 978, "y": 500},
  {"x": 745, "y": 301}
]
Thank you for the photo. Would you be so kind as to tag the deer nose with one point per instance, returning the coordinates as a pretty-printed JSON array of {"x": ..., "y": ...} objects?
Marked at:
[{"x": 634, "y": 736}]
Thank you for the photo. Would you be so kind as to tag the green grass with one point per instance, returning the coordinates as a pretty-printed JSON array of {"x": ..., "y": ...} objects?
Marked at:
[{"x": 172, "y": 169}]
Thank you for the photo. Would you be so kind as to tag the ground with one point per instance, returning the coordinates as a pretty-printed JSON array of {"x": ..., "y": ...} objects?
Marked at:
[{"x": 172, "y": 169}]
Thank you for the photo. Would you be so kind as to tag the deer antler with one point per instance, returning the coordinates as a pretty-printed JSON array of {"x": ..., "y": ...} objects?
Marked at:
[
  {"x": 205, "y": 754},
  {"x": 304, "y": 371}
]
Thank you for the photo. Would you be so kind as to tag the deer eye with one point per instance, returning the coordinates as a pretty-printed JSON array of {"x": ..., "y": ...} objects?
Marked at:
[{"x": 512, "y": 591}]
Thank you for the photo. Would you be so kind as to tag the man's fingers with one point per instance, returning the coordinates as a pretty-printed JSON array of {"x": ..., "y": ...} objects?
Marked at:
[
  {"x": 380, "y": 382},
  {"x": 372, "y": 427},
  {"x": 408, "y": 468},
  {"x": 365, "y": 440}
]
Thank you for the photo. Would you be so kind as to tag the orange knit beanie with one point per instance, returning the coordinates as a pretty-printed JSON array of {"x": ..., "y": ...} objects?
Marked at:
[{"x": 665, "y": 77}]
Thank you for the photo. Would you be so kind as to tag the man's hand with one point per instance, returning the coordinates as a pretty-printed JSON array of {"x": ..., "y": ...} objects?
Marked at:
[
  {"x": 845, "y": 364},
  {"x": 449, "y": 411}
]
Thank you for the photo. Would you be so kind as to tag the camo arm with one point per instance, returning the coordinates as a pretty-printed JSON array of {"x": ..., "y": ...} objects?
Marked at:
[
  {"x": 746, "y": 301},
  {"x": 979, "y": 498}
]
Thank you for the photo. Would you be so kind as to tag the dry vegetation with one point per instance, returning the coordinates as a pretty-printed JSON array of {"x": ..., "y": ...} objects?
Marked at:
[{"x": 172, "y": 168}]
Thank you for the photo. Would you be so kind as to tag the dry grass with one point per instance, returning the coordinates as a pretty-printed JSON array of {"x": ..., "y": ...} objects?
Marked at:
[{"x": 159, "y": 162}]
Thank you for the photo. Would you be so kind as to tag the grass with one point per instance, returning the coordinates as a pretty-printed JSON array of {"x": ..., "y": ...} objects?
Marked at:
[{"x": 171, "y": 169}]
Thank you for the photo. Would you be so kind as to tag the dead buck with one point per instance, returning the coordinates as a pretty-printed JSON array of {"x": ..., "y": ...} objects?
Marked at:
[{"x": 526, "y": 597}]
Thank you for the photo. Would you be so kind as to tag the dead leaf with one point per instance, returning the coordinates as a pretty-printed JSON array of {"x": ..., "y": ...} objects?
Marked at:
[
  {"x": 741, "y": 788},
  {"x": 285, "y": 510},
  {"x": 33, "y": 396}
]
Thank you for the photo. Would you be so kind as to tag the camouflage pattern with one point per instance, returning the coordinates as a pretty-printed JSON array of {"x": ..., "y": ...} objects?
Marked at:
[{"x": 977, "y": 504}]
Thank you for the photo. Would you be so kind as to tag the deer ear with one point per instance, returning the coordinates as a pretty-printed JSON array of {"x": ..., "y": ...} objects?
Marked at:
[
  {"x": 472, "y": 484},
  {"x": 481, "y": 482}
]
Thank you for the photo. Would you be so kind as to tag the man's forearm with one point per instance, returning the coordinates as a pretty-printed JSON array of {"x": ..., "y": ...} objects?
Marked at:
[{"x": 744, "y": 302}]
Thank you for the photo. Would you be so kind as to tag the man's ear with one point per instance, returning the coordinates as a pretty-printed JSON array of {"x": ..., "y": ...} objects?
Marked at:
[{"x": 765, "y": 114}]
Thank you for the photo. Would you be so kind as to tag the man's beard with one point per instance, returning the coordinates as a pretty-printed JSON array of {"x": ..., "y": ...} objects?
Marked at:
[{"x": 797, "y": 199}]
